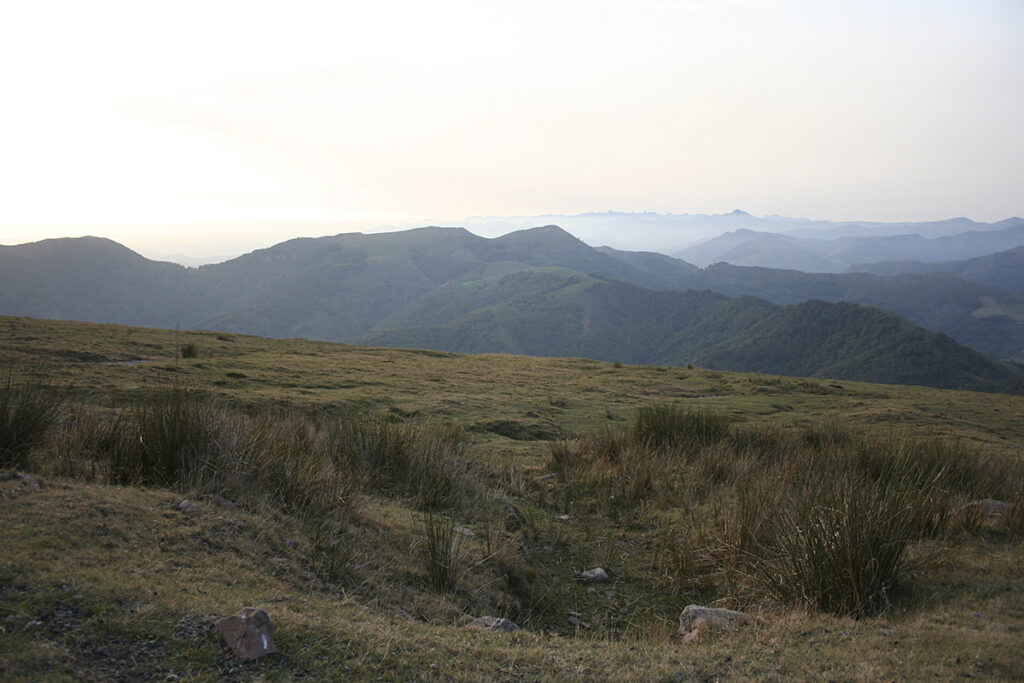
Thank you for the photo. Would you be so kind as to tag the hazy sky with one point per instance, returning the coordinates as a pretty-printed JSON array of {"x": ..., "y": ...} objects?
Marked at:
[{"x": 409, "y": 112}]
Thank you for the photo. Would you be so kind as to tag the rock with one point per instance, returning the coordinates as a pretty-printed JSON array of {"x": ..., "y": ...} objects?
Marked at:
[
  {"x": 696, "y": 621},
  {"x": 594, "y": 575},
  {"x": 187, "y": 506},
  {"x": 249, "y": 633},
  {"x": 464, "y": 530},
  {"x": 219, "y": 501},
  {"x": 988, "y": 507},
  {"x": 493, "y": 624},
  {"x": 25, "y": 480},
  {"x": 576, "y": 619}
]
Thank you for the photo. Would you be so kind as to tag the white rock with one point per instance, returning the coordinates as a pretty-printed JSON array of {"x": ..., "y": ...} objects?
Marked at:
[
  {"x": 696, "y": 620},
  {"x": 594, "y": 575}
]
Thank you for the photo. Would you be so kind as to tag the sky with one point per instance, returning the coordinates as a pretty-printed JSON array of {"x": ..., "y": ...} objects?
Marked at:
[{"x": 201, "y": 127}]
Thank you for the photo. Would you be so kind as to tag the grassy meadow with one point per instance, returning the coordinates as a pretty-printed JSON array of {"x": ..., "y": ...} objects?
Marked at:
[{"x": 386, "y": 497}]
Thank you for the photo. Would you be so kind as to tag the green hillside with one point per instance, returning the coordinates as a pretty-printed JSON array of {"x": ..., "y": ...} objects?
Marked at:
[
  {"x": 847, "y": 341},
  {"x": 1004, "y": 270},
  {"x": 544, "y": 312},
  {"x": 442, "y": 288}
]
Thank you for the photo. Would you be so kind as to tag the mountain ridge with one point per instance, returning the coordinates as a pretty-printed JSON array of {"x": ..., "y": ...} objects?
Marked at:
[{"x": 447, "y": 283}]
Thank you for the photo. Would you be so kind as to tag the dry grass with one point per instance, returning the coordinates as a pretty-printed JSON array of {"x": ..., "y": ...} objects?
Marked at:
[{"x": 335, "y": 455}]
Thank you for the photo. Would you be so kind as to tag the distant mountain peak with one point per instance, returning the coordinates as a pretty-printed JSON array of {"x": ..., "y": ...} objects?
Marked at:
[
  {"x": 547, "y": 233},
  {"x": 739, "y": 212}
]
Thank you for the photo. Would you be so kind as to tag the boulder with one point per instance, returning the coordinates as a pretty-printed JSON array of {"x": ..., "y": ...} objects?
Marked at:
[
  {"x": 594, "y": 575},
  {"x": 249, "y": 633},
  {"x": 697, "y": 621}
]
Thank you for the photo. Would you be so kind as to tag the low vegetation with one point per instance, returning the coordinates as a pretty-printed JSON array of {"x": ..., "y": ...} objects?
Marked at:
[
  {"x": 823, "y": 518},
  {"x": 372, "y": 528}
]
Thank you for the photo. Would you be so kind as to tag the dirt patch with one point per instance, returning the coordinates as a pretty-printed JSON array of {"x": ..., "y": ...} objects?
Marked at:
[{"x": 519, "y": 431}]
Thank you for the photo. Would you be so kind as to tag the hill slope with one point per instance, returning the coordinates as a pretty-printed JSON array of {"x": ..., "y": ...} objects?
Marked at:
[
  {"x": 102, "y": 581},
  {"x": 544, "y": 312},
  {"x": 349, "y": 286},
  {"x": 1004, "y": 270}
]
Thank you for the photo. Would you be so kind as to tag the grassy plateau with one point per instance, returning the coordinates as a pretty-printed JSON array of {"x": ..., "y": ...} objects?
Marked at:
[{"x": 374, "y": 501}]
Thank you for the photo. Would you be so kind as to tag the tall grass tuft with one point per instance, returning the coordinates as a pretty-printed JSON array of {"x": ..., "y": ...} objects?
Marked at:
[
  {"x": 677, "y": 427},
  {"x": 840, "y": 547},
  {"x": 426, "y": 462},
  {"x": 441, "y": 551},
  {"x": 169, "y": 439},
  {"x": 28, "y": 409}
]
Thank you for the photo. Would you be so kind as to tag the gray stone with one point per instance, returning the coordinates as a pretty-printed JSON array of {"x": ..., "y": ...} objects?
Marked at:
[
  {"x": 696, "y": 621},
  {"x": 493, "y": 624},
  {"x": 187, "y": 506},
  {"x": 249, "y": 633},
  {"x": 25, "y": 479},
  {"x": 594, "y": 575},
  {"x": 576, "y": 619}
]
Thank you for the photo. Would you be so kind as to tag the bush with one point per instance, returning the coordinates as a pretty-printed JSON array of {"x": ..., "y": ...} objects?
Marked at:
[{"x": 189, "y": 350}]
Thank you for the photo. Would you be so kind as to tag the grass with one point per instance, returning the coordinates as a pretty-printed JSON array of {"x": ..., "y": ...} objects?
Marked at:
[
  {"x": 358, "y": 472},
  {"x": 28, "y": 408},
  {"x": 442, "y": 552},
  {"x": 824, "y": 518}
]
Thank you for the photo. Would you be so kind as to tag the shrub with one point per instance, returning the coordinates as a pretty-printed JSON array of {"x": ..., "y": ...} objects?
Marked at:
[{"x": 189, "y": 350}]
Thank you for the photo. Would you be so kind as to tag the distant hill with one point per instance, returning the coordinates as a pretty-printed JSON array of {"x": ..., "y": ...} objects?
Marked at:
[
  {"x": 671, "y": 233},
  {"x": 546, "y": 312},
  {"x": 447, "y": 288},
  {"x": 848, "y": 341},
  {"x": 745, "y": 247},
  {"x": 1004, "y": 270},
  {"x": 754, "y": 248},
  {"x": 979, "y": 315},
  {"x": 91, "y": 278}
]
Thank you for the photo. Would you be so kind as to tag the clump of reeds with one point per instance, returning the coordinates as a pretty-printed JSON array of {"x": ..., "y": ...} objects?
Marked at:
[{"x": 29, "y": 406}]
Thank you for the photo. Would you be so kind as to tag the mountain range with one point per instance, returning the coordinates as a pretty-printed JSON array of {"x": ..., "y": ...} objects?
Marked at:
[
  {"x": 747, "y": 247},
  {"x": 674, "y": 233},
  {"x": 543, "y": 292}
]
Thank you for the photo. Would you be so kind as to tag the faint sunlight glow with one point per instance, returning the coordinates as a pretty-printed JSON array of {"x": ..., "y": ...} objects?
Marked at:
[{"x": 122, "y": 115}]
